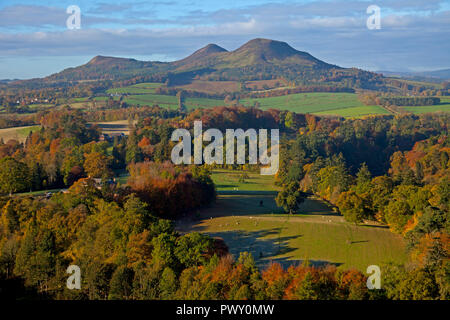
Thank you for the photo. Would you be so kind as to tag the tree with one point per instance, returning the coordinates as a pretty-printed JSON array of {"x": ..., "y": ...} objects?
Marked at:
[
  {"x": 10, "y": 218},
  {"x": 133, "y": 152},
  {"x": 306, "y": 289},
  {"x": 96, "y": 165},
  {"x": 14, "y": 176},
  {"x": 363, "y": 178},
  {"x": 192, "y": 249},
  {"x": 419, "y": 171},
  {"x": 352, "y": 206},
  {"x": 121, "y": 284},
  {"x": 290, "y": 197},
  {"x": 168, "y": 284},
  {"x": 290, "y": 121}
]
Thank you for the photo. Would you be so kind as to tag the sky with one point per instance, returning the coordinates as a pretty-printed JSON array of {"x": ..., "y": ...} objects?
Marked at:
[{"x": 35, "y": 41}]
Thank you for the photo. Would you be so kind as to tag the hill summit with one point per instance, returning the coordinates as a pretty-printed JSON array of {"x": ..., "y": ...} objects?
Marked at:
[
  {"x": 263, "y": 51},
  {"x": 258, "y": 59}
]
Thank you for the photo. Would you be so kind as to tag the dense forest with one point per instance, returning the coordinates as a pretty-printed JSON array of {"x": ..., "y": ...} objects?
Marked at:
[{"x": 392, "y": 170}]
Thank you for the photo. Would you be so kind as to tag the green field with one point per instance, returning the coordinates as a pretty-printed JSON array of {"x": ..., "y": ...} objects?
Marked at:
[
  {"x": 444, "y": 106},
  {"x": 308, "y": 102},
  {"x": 147, "y": 87},
  {"x": 355, "y": 112},
  {"x": 320, "y": 103},
  {"x": 425, "y": 109},
  {"x": 316, "y": 233},
  {"x": 228, "y": 180},
  {"x": 17, "y": 133},
  {"x": 171, "y": 102}
]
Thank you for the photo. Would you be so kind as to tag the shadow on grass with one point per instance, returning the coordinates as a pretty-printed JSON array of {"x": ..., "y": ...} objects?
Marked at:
[
  {"x": 261, "y": 244},
  {"x": 218, "y": 186},
  {"x": 245, "y": 192},
  {"x": 373, "y": 226},
  {"x": 358, "y": 241},
  {"x": 264, "y": 245},
  {"x": 285, "y": 263}
]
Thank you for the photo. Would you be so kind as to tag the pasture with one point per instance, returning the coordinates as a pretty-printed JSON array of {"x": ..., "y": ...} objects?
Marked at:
[
  {"x": 316, "y": 233},
  {"x": 110, "y": 127},
  {"x": 313, "y": 102},
  {"x": 355, "y": 112},
  {"x": 17, "y": 133},
  {"x": 231, "y": 180},
  {"x": 444, "y": 106}
]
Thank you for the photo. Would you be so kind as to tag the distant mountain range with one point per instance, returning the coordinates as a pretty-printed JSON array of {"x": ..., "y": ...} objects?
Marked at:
[
  {"x": 433, "y": 76},
  {"x": 6, "y": 81},
  {"x": 258, "y": 59}
]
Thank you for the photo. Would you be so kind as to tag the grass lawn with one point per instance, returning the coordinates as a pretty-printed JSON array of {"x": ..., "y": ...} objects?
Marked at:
[
  {"x": 228, "y": 180},
  {"x": 316, "y": 233}
]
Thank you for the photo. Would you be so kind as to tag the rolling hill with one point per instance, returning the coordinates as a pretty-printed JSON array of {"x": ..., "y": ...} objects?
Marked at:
[{"x": 258, "y": 59}]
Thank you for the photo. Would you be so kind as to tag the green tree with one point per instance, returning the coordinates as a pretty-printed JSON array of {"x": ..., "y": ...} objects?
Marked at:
[
  {"x": 96, "y": 165},
  {"x": 121, "y": 284},
  {"x": 133, "y": 152},
  {"x": 168, "y": 284},
  {"x": 363, "y": 179},
  {"x": 290, "y": 197},
  {"x": 192, "y": 249},
  {"x": 14, "y": 176},
  {"x": 352, "y": 206},
  {"x": 306, "y": 289}
]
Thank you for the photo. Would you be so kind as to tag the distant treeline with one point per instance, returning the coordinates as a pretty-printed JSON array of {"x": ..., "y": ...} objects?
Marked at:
[
  {"x": 253, "y": 95},
  {"x": 376, "y": 99},
  {"x": 410, "y": 101},
  {"x": 302, "y": 89}
]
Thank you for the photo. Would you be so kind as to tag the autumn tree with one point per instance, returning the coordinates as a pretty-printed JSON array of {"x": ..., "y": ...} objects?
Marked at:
[
  {"x": 97, "y": 165},
  {"x": 290, "y": 197},
  {"x": 14, "y": 176}
]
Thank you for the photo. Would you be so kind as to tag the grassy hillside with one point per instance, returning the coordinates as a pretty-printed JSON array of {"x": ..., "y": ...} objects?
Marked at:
[
  {"x": 355, "y": 112},
  {"x": 343, "y": 104},
  {"x": 444, "y": 106},
  {"x": 17, "y": 133},
  {"x": 317, "y": 234},
  {"x": 229, "y": 180}
]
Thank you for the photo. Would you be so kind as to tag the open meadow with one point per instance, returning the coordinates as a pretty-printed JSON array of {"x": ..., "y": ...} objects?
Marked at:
[
  {"x": 17, "y": 133},
  {"x": 317, "y": 233},
  {"x": 321, "y": 103}
]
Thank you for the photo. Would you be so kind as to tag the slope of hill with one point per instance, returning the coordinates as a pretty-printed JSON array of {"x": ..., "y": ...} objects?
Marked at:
[
  {"x": 258, "y": 59},
  {"x": 264, "y": 51},
  {"x": 200, "y": 58},
  {"x": 109, "y": 68}
]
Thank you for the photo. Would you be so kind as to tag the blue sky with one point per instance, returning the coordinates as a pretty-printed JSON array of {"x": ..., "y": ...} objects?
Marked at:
[{"x": 34, "y": 40}]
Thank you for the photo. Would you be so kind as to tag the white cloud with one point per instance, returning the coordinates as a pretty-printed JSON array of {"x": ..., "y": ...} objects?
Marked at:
[{"x": 330, "y": 30}]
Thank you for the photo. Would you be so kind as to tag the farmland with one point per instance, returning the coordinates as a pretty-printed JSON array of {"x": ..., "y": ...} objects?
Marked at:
[
  {"x": 320, "y": 103},
  {"x": 229, "y": 180},
  {"x": 16, "y": 133},
  {"x": 444, "y": 106},
  {"x": 110, "y": 127}
]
